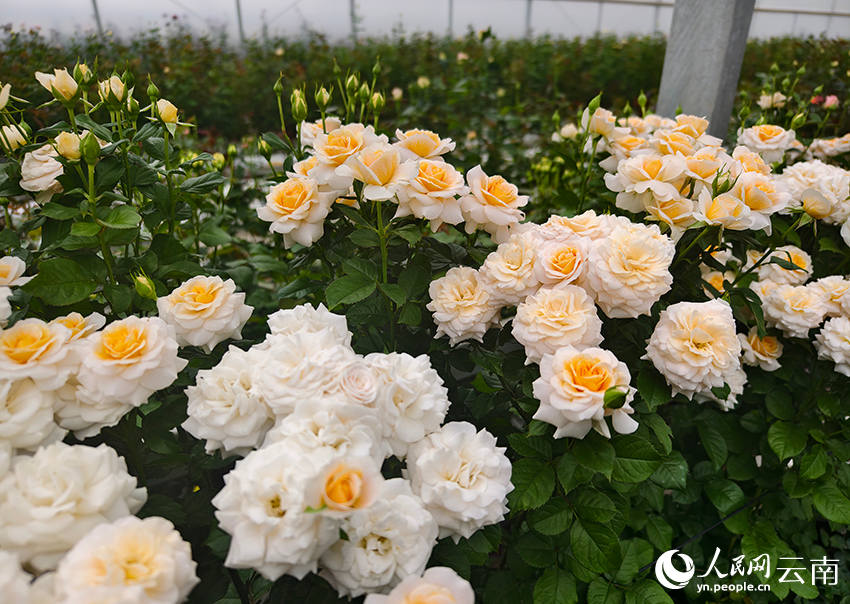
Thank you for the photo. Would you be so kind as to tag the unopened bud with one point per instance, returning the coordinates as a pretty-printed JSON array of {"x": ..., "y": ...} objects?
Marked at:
[
  {"x": 786, "y": 83},
  {"x": 231, "y": 150},
  {"x": 627, "y": 110},
  {"x": 153, "y": 92},
  {"x": 129, "y": 79},
  {"x": 144, "y": 286},
  {"x": 68, "y": 145},
  {"x": 351, "y": 84},
  {"x": 264, "y": 148},
  {"x": 278, "y": 86},
  {"x": 364, "y": 94},
  {"x": 594, "y": 104},
  {"x": 218, "y": 161},
  {"x": 818, "y": 90},
  {"x": 376, "y": 70},
  {"x": 133, "y": 108},
  {"x": 323, "y": 98},
  {"x": 801, "y": 72},
  {"x": 166, "y": 111},
  {"x": 12, "y": 137},
  {"x": 337, "y": 69},
  {"x": 798, "y": 121},
  {"x": 642, "y": 101},
  {"x": 744, "y": 113},
  {"x": 89, "y": 148},
  {"x": 614, "y": 398},
  {"x": 774, "y": 69},
  {"x": 377, "y": 102},
  {"x": 398, "y": 93},
  {"x": 83, "y": 75},
  {"x": 299, "y": 105}
]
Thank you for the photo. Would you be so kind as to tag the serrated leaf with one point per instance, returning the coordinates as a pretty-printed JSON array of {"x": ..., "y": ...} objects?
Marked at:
[
  {"x": 659, "y": 533},
  {"x": 534, "y": 481},
  {"x": 593, "y": 505},
  {"x": 786, "y": 440},
  {"x": 636, "y": 458},
  {"x": 595, "y": 546},
  {"x": 601, "y": 591},
  {"x": 60, "y": 282},
  {"x": 725, "y": 495},
  {"x": 122, "y": 217},
  {"x": 831, "y": 502},
  {"x": 531, "y": 446},
  {"x": 636, "y": 554},
  {"x": 120, "y": 297},
  {"x": 595, "y": 453},
  {"x": 570, "y": 474},
  {"x": 85, "y": 229},
  {"x": 410, "y": 314},
  {"x": 653, "y": 388},
  {"x": 394, "y": 292},
  {"x": 672, "y": 473},
  {"x": 813, "y": 464},
  {"x": 714, "y": 443},
  {"x": 409, "y": 233},
  {"x": 59, "y": 212},
  {"x": 556, "y": 586},
  {"x": 213, "y": 235},
  {"x": 552, "y": 519},
  {"x": 203, "y": 184},
  {"x": 365, "y": 238},
  {"x": 659, "y": 427},
  {"x": 647, "y": 592},
  {"x": 535, "y": 551},
  {"x": 349, "y": 289}
]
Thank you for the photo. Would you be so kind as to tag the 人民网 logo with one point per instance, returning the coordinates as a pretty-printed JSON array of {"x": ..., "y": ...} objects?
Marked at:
[{"x": 668, "y": 575}]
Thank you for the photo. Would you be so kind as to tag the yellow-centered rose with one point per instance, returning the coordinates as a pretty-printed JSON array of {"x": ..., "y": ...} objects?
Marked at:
[
  {"x": 167, "y": 111},
  {"x": 68, "y": 145}
]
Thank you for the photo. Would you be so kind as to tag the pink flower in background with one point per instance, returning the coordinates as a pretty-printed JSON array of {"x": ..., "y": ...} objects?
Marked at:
[{"x": 830, "y": 101}]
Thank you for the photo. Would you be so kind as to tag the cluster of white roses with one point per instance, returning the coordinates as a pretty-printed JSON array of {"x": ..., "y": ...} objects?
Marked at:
[
  {"x": 410, "y": 172},
  {"x": 822, "y": 190},
  {"x": 679, "y": 175},
  {"x": 556, "y": 274},
  {"x": 11, "y": 275},
  {"x": 315, "y": 422}
]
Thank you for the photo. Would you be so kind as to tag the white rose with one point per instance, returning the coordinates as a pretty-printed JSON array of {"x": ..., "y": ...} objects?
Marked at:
[
  {"x": 672, "y": 142},
  {"x": 86, "y": 413},
  {"x": 794, "y": 309},
  {"x": 411, "y": 402},
  {"x": 5, "y": 306},
  {"x": 493, "y": 204},
  {"x": 834, "y": 288},
  {"x": 12, "y": 137},
  {"x": 39, "y": 172},
  {"x": 768, "y": 271},
  {"x": 694, "y": 346},
  {"x": 766, "y": 101},
  {"x": 297, "y": 209},
  {"x": 390, "y": 540},
  {"x": 729, "y": 211},
  {"x": 309, "y": 131},
  {"x": 833, "y": 343},
  {"x": 143, "y": 561},
  {"x": 769, "y": 140},
  {"x": 358, "y": 383},
  {"x": 333, "y": 149},
  {"x": 588, "y": 225},
  {"x": 745, "y": 161},
  {"x": 431, "y": 194},
  {"x": 335, "y": 426},
  {"x": 33, "y": 349},
  {"x": 225, "y": 408},
  {"x": 762, "y": 352},
  {"x": 310, "y": 320},
  {"x": 439, "y": 585},
  {"x": 736, "y": 382},
  {"x": 645, "y": 177},
  {"x": 562, "y": 261},
  {"x": 830, "y": 181},
  {"x": 26, "y": 415},
  {"x": 297, "y": 366},
  {"x": 571, "y": 390},
  {"x": 14, "y": 582},
  {"x": 462, "y": 304},
  {"x": 129, "y": 360},
  {"x": 11, "y": 271},
  {"x": 423, "y": 144},
  {"x": 262, "y": 506},
  {"x": 629, "y": 270},
  {"x": 381, "y": 169},
  {"x": 462, "y": 477},
  {"x": 508, "y": 273},
  {"x": 81, "y": 327},
  {"x": 554, "y": 318},
  {"x": 764, "y": 195},
  {"x": 344, "y": 485},
  {"x": 763, "y": 288},
  {"x": 205, "y": 311},
  {"x": 49, "y": 501}
]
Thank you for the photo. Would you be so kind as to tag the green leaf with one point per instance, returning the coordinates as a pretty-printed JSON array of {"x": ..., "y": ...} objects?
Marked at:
[
  {"x": 672, "y": 473},
  {"x": 535, "y": 551},
  {"x": 714, "y": 443},
  {"x": 659, "y": 533},
  {"x": 652, "y": 387},
  {"x": 831, "y": 502},
  {"x": 595, "y": 546},
  {"x": 8, "y": 238},
  {"x": 552, "y": 519},
  {"x": 409, "y": 233},
  {"x": 556, "y": 586},
  {"x": 647, "y": 592},
  {"x": 60, "y": 282},
  {"x": 570, "y": 474},
  {"x": 414, "y": 280},
  {"x": 394, "y": 292},
  {"x": 349, "y": 289},
  {"x": 778, "y": 402},
  {"x": 446, "y": 553},
  {"x": 275, "y": 142},
  {"x": 601, "y": 591},
  {"x": 660, "y": 428},
  {"x": 122, "y": 217},
  {"x": 636, "y": 554},
  {"x": 365, "y": 238},
  {"x": 595, "y": 453},
  {"x": 85, "y": 229},
  {"x": 593, "y": 505},
  {"x": 89, "y": 124},
  {"x": 786, "y": 440},
  {"x": 59, "y": 212},
  {"x": 795, "y": 486},
  {"x": 410, "y": 314},
  {"x": 203, "y": 183},
  {"x": 214, "y": 235},
  {"x": 531, "y": 446},
  {"x": 725, "y": 495},
  {"x": 534, "y": 481},
  {"x": 813, "y": 464},
  {"x": 119, "y": 296},
  {"x": 636, "y": 458}
]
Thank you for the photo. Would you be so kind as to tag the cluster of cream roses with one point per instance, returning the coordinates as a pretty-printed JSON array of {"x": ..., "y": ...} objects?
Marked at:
[
  {"x": 410, "y": 172},
  {"x": 315, "y": 422},
  {"x": 557, "y": 274}
]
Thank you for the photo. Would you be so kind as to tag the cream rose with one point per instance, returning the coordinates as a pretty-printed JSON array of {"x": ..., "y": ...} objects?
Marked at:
[
  {"x": 381, "y": 169},
  {"x": 39, "y": 172},
  {"x": 12, "y": 271},
  {"x": 462, "y": 304},
  {"x": 14, "y": 582},
  {"x": 671, "y": 142},
  {"x": 745, "y": 161},
  {"x": 439, "y": 585},
  {"x": 694, "y": 346},
  {"x": 729, "y": 211},
  {"x": 143, "y": 561},
  {"x": 49, "y": 501},
  {"x": 225, "y": 408},
  {"x": 629, "y": 270},
  {"x": 5, "y": 306},
  {"x": 588, "y": 225},
  {"x": 794, "y": 309},
  {"x": 833, "y": 343},
  {"x": 297, "y": 209},
  {"x": 86, "y": 413},
  {"x": 769, "y": 271},
  {"x": 462, "y": 477},
  {"x": 562, "y": 261},
  {"x": 508, "y": 273},
  {"x": 60, "y": 83},
  {"x": 777, "y": 99},
  {"x": 387, "y": 542},
  {"x": 305, "y": 318},
  {"x": 36, "y": 350},
  {"x": 422, "y": 144},
  {"x": 432, "y": 194},
  {"x": 768, "y": 140},
  {"x": 555, "y": 318},
  {"x": 344, "y": 485},
  {"x": 129, "y": 360},
  {"x": 641, "y": 179},
  {"x": 493, "y": 204},
  {"x": 310, "y": 130},
  {"x": 761, "y": 352},
  {"x": 571, "y": 390},
  {"x": 12, "y": 137},
  {"x": 26, "y": 415},
  {"x": 835, "y": 290},
  {"x": 205, "y": 311},
  {"x": 333, "y": 149}
]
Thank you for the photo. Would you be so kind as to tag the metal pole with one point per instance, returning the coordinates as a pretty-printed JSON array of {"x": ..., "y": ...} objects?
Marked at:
[
  {"x": 528, "y": 18},
  {"x": 657, "y": 17},
  {"x": 353, "y": 21},
  {"x": 451, "y": 18},
  {"x": 97, "y": 17},
  {"x": 239, "y": 17},
  {"x": 599, "y": 18}
]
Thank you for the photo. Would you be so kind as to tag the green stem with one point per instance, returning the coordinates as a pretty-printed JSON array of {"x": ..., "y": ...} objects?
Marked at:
[
  {"x": 239, "y": 584},
  {"x": 8, "y": 216},
  {"x": 691, "y": 245},
  {"x": 757, "y": 264},
  {"x": 104, "y": 247},
  {"x": 172, "y": 202},
  {"x": 586, "y": 178},
  {"x": 382, "y": 234}
]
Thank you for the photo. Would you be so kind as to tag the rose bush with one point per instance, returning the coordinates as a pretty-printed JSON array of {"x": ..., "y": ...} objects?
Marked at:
[{"x": 415, "y": 375}]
